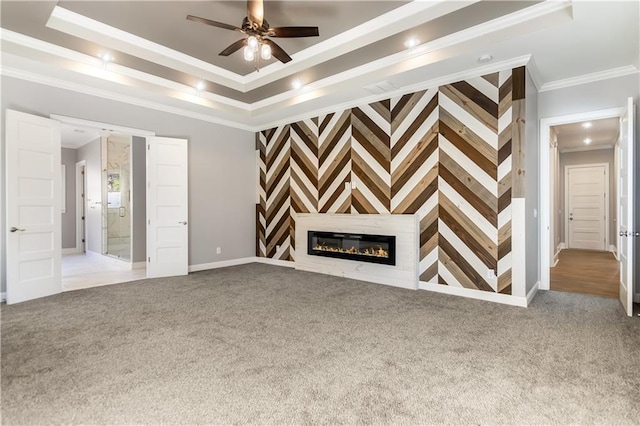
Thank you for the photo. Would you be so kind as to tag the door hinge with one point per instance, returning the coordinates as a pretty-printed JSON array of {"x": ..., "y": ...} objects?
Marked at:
[
  {"x": 149, "y": 259},
  {"x": 148, "y": 147},
  {"x": 148, "y": 221},
  {"x": 83, "y": 240}
]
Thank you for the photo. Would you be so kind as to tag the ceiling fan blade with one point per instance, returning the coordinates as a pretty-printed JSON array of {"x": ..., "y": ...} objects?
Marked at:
[
  {"x": 234, "y": 47},
  {"x": 294, "y": 32},
  {"x": 213, "y": 23},
  {"x": 277, "y": 51},
  {"x": 255, "y": 12}
]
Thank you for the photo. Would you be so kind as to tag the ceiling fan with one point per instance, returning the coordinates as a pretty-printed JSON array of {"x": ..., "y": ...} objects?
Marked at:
[{"x": 257, "y": 44}]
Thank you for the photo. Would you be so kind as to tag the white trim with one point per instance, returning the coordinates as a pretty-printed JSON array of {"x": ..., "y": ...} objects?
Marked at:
[
  {"x": 3, "y": 296},
  {"x": 556, "y": 257},
  {"x": 80, "y": 183},
  {"x": 241, "y": 261},
  {"x": 70, "y": 250},
  {"x": 545, "y": 180},
  {"x": 425, "y": 84},
  {"x": 607, "y": 206},
  {"x": 532, "y": 293},
  {"x": 113, "y": 96},
  {"x": 586, "y": 148},
  {"x": 221, "y": 264},
  {"x": 276, "y": 262},
  {"x": 589, "y": 78},
  {"x": 504, "y": 299},
  {"x": 63, "y": 187},
  {"x": 113, "y": 128},
  {"x": 613, "y": 249}
]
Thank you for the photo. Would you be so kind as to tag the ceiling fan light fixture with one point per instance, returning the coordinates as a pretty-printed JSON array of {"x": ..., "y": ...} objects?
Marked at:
[
  {"x": 252, "y": 42},
  {"x": 265, "y": 52},
  {"x": 249, "y": 54}
]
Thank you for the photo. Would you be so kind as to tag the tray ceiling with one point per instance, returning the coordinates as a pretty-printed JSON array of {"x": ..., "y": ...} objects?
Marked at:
[{"x": 159, "y": 56}]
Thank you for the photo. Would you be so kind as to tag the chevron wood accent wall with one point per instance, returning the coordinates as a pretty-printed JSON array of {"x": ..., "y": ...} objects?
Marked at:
[
  {"x": 371, "y": 158},
  {"x": 304, "y": 174},
  {"x": 452, "y": 155},
  {"x": 334, "y": 162}
]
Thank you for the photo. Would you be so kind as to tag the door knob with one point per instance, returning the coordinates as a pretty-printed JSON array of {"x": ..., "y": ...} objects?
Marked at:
[
  {"x": 184, "y": 222},
  {"x": 623, "y": 233},
  {"x": 14, "y": 229}
]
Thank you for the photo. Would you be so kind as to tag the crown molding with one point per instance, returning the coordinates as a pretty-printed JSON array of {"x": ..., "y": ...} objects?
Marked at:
[
  {"x": 423, "y": 85},
  {"x": 585, "y": 148},
  {"x": 110, "y": 95},
  {"x": 392, "y": 22},
  {"x": 589, "y": 78}
]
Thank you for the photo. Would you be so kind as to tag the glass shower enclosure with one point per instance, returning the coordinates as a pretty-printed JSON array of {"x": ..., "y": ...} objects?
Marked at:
[{"x": 116, "y": 190}]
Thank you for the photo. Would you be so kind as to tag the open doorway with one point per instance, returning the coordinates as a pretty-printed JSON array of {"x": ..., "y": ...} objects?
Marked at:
[{"x": 103, "y": 228}]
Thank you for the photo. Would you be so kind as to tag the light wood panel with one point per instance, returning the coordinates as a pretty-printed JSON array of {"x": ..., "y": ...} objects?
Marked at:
[{"x": 587, "y": 272}]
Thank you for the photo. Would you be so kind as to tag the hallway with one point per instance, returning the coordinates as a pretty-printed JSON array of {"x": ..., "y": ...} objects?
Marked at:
[
  {"x": 93, "y": 270},
  {"x": 587, "y": 272}
]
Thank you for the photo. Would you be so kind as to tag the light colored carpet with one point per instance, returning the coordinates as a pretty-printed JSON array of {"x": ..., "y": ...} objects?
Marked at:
[{"x": 270, "y": 345}]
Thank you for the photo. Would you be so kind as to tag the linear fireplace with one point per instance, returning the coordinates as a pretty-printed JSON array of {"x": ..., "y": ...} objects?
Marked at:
[{"x": 359, "y": 247}]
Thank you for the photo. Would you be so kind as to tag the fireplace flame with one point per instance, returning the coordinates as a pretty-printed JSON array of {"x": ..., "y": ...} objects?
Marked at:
[{"x": 377, "y": 252}]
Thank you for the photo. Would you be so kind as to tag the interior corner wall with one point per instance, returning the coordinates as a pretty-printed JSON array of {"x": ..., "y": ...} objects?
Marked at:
[
  {"x": 90, "y": 153},
  {"x": 445, "y": 154},
  {"x": 603, "y": 94},
  {"x": 68, "y": 158},
  {"x": 139, "y": 199},
  {"x": 221, "y": 164},
  {"x": 532, "y": 195}
]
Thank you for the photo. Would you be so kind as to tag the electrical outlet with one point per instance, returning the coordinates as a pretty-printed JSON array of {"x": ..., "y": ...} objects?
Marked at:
[
  {"x": 218, "y": 250},
  {"x": 353, "y": 185},
  {"x": 491, "y": 273}
]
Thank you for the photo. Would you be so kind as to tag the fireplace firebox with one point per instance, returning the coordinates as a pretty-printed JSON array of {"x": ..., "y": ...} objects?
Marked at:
[{"x": 359, "y": 247}]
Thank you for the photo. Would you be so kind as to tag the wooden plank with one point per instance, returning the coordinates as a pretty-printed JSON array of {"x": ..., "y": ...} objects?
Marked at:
[{"x": 517, "y": 149}]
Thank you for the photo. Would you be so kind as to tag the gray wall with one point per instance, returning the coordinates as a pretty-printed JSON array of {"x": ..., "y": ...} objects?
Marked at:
[
  {"x": 139, "y": 199},
  {"x": 68, "y": 158},
  {"x": 532, "y": 193},
  {"x": 221, "y": 164},
  {"x": 611, "y": 93},
  {"x": 589, "y": 157},
  {"x": 93, "y": 174}
]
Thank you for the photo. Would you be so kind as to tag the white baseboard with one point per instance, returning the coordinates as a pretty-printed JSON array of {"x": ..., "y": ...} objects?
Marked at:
[
  {"x": 532, "y": 292},
  {"x": 613, "y": 249},
  {"x": 561, "y": 246},
  {"x": 71, "y": 250},
  {"x": 3, "y": 297},
  {"x": 221, "y": 264},
  {"x": 277, "y": 262},
  {"x": 475, "y": 294},
  {"x": 139, "y": 265}
]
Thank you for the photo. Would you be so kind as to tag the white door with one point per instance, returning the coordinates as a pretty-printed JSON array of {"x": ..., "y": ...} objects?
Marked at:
[
  {"x": 33, "y": 207},
  {"x": 627, "y": 200},
  {"x": 167, "y": 207},
  {"x": 587, "y": 206}
]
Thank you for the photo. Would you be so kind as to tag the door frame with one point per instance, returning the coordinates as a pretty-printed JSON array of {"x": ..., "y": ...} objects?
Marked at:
[
  {"x": 81, "y": 206},
  {"x": 606, "y": 199},
  {"x": 546, "y": 193}
]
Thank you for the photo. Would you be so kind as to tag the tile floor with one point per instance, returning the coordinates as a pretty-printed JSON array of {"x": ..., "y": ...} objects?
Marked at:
[{"x": 92, "y": 270}]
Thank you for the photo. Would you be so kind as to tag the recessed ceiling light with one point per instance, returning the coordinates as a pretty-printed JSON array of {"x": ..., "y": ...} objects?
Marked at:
[
  {"x": 411, "y": 42},
  {"x": 483, "y": 59},
  {"x": 297, "y": 84},
  {"x": 106, "y": 57},
  {"x": 587, "y": 140},
  {"x": 200, "y": 85},
  {"x": 587, "y": 125}
]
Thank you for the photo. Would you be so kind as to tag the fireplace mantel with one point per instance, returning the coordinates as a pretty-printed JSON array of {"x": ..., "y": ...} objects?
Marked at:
[{"x": 404, "y": 227}]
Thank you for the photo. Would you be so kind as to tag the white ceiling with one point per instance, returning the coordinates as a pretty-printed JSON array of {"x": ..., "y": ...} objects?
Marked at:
[
  {"x": 159, "y": 56},
  {"x": 602, "y": 133}
]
